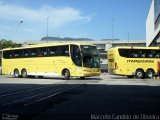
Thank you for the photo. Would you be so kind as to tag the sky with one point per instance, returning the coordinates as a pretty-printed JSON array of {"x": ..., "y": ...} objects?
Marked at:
[{"x": 95, "y": 19}]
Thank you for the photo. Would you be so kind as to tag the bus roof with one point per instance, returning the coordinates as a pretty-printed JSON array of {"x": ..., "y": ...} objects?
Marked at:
[
  {"x": 135, "y": 47},
  {"x": 50, "y": 44}
]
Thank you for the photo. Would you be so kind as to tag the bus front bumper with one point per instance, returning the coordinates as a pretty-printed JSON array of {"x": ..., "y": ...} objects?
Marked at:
[{"x": 87, "y": 72}]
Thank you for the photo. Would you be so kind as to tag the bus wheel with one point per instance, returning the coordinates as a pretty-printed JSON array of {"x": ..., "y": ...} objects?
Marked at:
[
  {"x": 82, "y": 78},
  {"x": 66, "y": 74},
  {"x": 149, "y": 73},
  {"x": 24, "y": 73},
  {"x": 139, "y": 74},
  {"x": 16, "y": 73}
]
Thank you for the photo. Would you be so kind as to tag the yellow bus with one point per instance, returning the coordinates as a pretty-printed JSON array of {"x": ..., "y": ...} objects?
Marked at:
[
  {"x": 132, "y": 61},
  {"x": 52, "y": 60}
]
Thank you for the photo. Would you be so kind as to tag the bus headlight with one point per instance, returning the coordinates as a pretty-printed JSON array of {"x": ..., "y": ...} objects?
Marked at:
[{"x": 78, "y": 68}]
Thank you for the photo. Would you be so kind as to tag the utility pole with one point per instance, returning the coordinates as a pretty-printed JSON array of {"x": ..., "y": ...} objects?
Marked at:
[
  {"x": 18, "y": 25},
  {"x": 128, "y": 37},
  {"x": 47, "y": 28},
  {"x": 113, "y": 29},
  {"x": 47, "y": 25}
]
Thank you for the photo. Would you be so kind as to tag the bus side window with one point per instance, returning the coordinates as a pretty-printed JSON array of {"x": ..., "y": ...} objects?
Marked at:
[
  {"x": 157, "y": 55},
  {"x": 134, "y": 55},
  {"x": 61, "y": 51},
  {"x": 10, "y": 55},
  {"x": 21, "y": 53},
  {"x": 124, "y": 52},
  {"x": 131, "y": 55},
  {"x": 143, "y": 55},
  {"x": 16, "y": 53},
  {"x": 45, "y": 53},
  {"x": 53, "y": 51},
  {"x": 151, "y": 54},
  {"x": 7, "y": 54},
  {"x": 42, "y": 52},
  {"x": 66, "y": 53},
  {"x": 33, "y": 52},
  {"x": 64, "y": 50},
  {"x": 26, "y": 53}
]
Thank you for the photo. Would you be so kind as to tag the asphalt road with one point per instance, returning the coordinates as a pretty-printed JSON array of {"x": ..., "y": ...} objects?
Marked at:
[{"x": 104, "y": 97}]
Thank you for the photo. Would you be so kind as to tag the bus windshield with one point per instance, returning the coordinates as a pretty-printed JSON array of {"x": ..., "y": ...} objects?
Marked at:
[{"x": 90, "y": 56}]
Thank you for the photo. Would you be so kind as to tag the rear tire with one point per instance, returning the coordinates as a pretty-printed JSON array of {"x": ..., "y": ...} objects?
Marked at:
[
  {"x": 66, "y": 75},
  {"x": 139, "y": 74},
  {"x": 24, "y": 73},
  {"x": 16, "y": 73},
  {"x": 149, "y": 73}
]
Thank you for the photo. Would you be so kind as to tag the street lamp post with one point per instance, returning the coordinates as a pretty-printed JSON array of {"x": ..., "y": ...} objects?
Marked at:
[
  {"x": 47, "y": 28},
  {"x": 18, "y": 25},
  {"x": 128, "y": 37},
  {"x": 47, "y": 25},
  {"x": 113, "y": 29}
]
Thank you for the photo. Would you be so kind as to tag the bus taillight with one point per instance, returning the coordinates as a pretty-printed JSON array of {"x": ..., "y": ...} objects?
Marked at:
[{"x": 116, "y": 66}]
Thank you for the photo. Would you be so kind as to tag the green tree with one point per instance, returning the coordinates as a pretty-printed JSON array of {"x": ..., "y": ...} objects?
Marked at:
[{"x": 6, "y": 44}]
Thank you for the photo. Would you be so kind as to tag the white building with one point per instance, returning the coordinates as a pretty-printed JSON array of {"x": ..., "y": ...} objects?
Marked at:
[{"x": 153, "y": 24}]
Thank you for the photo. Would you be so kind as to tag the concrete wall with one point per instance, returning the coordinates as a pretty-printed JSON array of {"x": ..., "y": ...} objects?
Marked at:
[
  {"x": 150, "y": 25},
  {"x": 151, "y": 32}
]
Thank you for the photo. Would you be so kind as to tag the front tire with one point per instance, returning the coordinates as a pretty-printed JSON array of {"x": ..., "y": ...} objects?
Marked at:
[
  {"x": 66, "y": 75},
  {"x": 139, "y": 74},
  {"x": 24, "y": 73},
  {"x": 149, "y": 73}
]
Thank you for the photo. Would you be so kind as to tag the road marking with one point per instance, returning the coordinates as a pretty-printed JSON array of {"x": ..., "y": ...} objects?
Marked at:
[
  {"x": 17, "y": 101},
  {"x": 32, "y": 89},
  {"x": 55, "y": 94}
]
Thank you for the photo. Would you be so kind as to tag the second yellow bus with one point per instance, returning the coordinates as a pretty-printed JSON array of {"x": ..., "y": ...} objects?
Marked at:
[{"x": 131, "y": 61}]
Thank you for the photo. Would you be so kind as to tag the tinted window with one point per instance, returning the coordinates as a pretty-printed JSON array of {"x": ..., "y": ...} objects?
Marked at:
[
  {"x": 33, "y": 52},
  {"x": 134, "y": 53},
  {"x": 157, "y": 54},
  {"x": 18, "y": 53},
  {"x": 124, "y": 52},
  {"x": 26, "y": 52},
  {"x": 139, "y": 53},
  {"x": 38, "y": 52},
  {"x": 53, "y": 51},
  {"x": 42, "y": 52},
  {"x": 7, "y": 54},
  {"x": 75, "y": 55},
  {"x": 64, "y": 50}
]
